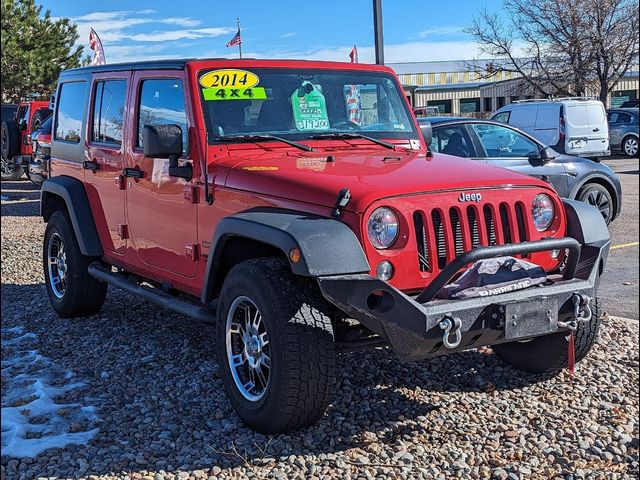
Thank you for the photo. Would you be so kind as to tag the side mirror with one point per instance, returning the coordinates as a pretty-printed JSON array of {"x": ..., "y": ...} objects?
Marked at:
[
  {"x": 427, "y": 132},
  {"x": 165, "y": 141},
  {"x": 547, "y": 154}
]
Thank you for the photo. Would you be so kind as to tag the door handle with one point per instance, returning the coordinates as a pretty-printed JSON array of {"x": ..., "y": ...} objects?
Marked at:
[
  {"x": 133, "y": 172},
  {"x": 93, "y": 166},
  {"x": 596, "y": 129}
]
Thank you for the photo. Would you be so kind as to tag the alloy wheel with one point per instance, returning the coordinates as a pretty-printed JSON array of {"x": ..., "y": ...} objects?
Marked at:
[
  {"x": 248, "y": 349},
  {"x": 599, "y": 200},
  {"x": 57, "y": 265},
  {"x": 631, "y": 147}
]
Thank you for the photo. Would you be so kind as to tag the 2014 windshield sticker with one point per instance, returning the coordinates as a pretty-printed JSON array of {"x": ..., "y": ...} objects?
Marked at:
[
  {"x": 309, "y": 108},
  {"x": 231, "y": 84}
]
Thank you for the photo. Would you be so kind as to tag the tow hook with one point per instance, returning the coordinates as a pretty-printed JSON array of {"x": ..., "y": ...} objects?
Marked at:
[
  {"x": 581, "y": 312},
  {"x": 451, "y": 326}
]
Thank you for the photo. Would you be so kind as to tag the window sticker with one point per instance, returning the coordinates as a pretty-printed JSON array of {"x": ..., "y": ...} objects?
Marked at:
[
  {"x": 231, "y": 84},
  {"x": 309, "y": 108}
]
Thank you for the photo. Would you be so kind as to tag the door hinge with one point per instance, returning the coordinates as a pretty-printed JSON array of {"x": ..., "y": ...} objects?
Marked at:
[
  {"x": 190, "y": 193},
  {"x": 123, "y": 231},
  {"x": 120, "y": 182},
  {"x": 191, "y": 251}
]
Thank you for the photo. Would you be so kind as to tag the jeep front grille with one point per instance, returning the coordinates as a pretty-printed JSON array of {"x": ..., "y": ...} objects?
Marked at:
[{"x": 459, "y": 229}]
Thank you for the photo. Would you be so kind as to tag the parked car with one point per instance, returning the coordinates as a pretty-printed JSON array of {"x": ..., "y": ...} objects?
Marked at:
[
  {"x": 623, "y": 130},
  {"x": 635, "y": 103},
  {"x": 426, "y": 111},
  {"x": 508, "y": 147},
  {"x": 244, "y": 193},
  {"x": 575, "y": 126},
  {"x": 38, "y": 167},
  {"x": 15, "y": 137}
]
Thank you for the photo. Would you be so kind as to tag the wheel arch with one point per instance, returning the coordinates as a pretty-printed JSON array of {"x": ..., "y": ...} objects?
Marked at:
[
  {"x": 606, "y": 183},
  {"x": 326, "y": 246},
  {"x": 68, "y": 193}
]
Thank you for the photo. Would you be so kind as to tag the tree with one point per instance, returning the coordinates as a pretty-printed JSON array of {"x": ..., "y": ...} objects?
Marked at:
[
  {"x": 35, "y": 47},
  {"x": 562, "y": 47}
]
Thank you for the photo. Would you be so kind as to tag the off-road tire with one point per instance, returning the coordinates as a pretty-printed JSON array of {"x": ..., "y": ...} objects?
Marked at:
[
  {"x": 549, "y": 354},
  {"x": 9, "y": 148},
  {"x": 598, "y": 196},
  {"x": 302, "y": 350},
  {"x": 84, "y": 295},
  {"x": 38, "y": 119}
]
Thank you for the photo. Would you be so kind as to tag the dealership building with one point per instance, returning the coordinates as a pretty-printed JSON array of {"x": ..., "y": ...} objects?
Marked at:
[{"x": 455, "y": 88}]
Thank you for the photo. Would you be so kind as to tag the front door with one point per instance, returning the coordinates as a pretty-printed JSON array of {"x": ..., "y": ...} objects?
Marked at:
[
  {"x": 162, "y": 220},
  {"x": 104, "y": 157},
  {"x": 507, "y": 148}
]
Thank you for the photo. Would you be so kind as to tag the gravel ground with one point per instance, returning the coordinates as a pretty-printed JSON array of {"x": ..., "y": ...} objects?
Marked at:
[{"x": 162, "y": 413}]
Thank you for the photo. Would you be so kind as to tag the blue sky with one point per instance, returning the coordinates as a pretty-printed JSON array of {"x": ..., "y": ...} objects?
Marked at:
[{"x": 414, "y": 30}]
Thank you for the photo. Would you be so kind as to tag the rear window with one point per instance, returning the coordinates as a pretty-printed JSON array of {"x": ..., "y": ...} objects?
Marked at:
[
  {"x": 108, "y": 111},
  {"x": 69, "y": 112},
  {"x": 596, "y": 114},
  {"x": 577, "y": 115}
]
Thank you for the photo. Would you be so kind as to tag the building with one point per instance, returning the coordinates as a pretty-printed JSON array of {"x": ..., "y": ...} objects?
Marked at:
[{"x": 458, "y": 90}]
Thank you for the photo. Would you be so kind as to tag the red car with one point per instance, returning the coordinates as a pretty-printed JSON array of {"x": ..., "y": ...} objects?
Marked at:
[
  {"x": 15, "y": 137},
  {"x": 294, "y": 205}
]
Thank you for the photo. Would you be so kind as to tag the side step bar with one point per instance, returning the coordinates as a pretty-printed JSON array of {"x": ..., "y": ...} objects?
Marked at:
[{"x": 153, "y": 295}]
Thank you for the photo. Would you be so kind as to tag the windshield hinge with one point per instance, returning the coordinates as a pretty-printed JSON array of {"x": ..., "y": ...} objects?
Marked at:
[{"x": 342, "y": 201}]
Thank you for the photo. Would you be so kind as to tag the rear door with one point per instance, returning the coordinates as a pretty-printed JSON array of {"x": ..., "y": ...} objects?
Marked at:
[
  {"x": 578, "y": 131},
  {"x": 505, "y": 147},
  {"x": 162, "y": 218},
  {"x": 599, "y": 135},
  {"x": 104, "y": 161}
]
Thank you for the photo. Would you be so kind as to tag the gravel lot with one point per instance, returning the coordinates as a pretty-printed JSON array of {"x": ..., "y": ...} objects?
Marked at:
[{"x": 162, "y": 414}]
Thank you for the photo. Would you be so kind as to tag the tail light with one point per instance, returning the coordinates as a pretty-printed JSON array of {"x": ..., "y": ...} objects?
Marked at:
[{"x": 562, "y": 125}]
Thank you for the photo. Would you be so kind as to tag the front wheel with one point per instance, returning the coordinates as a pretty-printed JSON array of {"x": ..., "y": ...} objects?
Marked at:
[
  {"x": 549, "y": 354},
  {"x": 275, "y": 346},
  {"x": 598, "y": 196},
  {"x": 72, "y": 291},
  {"x": 630, "y": 147}
]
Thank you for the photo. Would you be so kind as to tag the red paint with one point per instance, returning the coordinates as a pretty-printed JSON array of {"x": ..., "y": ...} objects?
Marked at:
[
  {"x": 25, "y": 134},
  {"x": 169, "y": 224}
]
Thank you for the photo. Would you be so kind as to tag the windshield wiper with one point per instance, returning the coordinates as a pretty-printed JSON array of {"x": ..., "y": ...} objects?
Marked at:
[
  {"x": 261, "y": 136},
  {"x": 346, "y": 135}
]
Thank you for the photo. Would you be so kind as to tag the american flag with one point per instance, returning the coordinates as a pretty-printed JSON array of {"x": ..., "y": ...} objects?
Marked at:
[
  {"x": 95, "y": 44},
  {"x": 236, "y": 40}
]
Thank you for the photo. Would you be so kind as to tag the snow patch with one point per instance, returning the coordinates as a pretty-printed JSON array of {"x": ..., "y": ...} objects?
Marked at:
[{"x": 34, "y": 416}]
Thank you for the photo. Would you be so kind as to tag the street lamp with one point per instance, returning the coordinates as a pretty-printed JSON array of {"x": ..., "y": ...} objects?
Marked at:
[{"x": 377, "y": 31}]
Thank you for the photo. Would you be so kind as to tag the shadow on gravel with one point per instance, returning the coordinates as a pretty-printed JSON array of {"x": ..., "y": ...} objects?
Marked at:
[
  {"x": 29, "y": 208},
  {"x": 20, "y": 199},
  {"x": 154, "y": 380}
]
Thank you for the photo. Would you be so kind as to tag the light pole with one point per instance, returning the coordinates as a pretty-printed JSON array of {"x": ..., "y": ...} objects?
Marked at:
[{"x": 377, "y": 31}]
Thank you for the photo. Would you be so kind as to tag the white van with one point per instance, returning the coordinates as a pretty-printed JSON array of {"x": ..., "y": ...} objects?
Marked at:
[{"x": 575, "y": 126}]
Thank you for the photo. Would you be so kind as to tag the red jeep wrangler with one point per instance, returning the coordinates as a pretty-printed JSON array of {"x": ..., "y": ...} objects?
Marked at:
[
  {"x": 15, "y": 137},
  {"x": 294, "y": 205}
]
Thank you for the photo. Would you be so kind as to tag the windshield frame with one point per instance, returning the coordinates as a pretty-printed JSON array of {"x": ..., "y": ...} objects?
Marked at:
[{"x": 407, "y": 135}]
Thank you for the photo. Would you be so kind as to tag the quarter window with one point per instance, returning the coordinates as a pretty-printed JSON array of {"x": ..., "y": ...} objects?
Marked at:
[
  {"x": 502, "y": 142},
  {"x": 162, "y": 103},
  {"x": 69, "y": 113},
  {"x": 502, "y": 117},
  {"x": 108, "y": 111}
]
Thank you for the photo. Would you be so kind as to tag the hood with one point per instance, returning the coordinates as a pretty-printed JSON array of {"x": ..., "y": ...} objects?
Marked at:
[{"x": 318, "y": 177}]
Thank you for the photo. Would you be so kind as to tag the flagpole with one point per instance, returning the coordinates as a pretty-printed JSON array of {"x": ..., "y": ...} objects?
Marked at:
[{"x": 239, "y": 43}]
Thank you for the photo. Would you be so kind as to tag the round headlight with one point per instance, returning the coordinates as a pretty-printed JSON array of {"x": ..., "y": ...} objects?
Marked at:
[
  {"x": 383, "y": 228},
  {"x": 543, "y": 212}
]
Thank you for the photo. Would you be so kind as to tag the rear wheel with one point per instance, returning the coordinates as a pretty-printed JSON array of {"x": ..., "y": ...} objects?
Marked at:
[
  {"x": 275, "y": 346},
  {"x": 598, "y": 196},
  {"x": 9, "y": 148},
  {"x": 549, "y": 354},
  {"x": 72, "y": 291},
  {"x": 630, "y": 146}
]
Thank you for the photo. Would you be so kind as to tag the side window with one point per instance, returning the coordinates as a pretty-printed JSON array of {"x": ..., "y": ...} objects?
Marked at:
[
  {"x": 22, "y": 116},
  {"x": 499, "y": 141},
  {"x": 451, "y": 140},
  {"x": 69, "y": 112},
  {"x": 624, "y": 118},
  {"x": 162, "y": 103},
  {"x": 108, "y": 111},
  {"x": 612, "y": 117},
  {"x": 502, "y": 117}
]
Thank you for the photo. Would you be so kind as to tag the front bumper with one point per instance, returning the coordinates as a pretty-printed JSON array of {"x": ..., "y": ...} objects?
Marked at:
[{"x": 411, "y": 325}]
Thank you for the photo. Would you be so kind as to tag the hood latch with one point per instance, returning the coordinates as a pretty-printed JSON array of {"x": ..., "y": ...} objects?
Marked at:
[{"x": 342, "y": 201}]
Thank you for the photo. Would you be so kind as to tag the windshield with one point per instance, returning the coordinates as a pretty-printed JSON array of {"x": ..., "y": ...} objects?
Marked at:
[{"x": 299, "y": 104}]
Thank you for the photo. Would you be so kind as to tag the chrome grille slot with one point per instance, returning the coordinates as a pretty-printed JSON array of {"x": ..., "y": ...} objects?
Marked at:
[
  {"x": 473, "y": 225},
  {"x": 456, "y": 230},
  {"x": 421, "y": 241},
  {"x": 438, "y": 231},
  {"x": 489, "y": 224}
]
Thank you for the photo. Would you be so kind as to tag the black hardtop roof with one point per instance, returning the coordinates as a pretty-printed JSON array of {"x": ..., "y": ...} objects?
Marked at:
[{"x": 169, "y": 64}]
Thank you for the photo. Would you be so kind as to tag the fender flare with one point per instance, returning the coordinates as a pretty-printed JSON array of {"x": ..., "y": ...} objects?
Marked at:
[
  {"x": 327, "y": 246},
  {"x": 74, "y": 196},
  {"x": 585, "y": 223}
]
